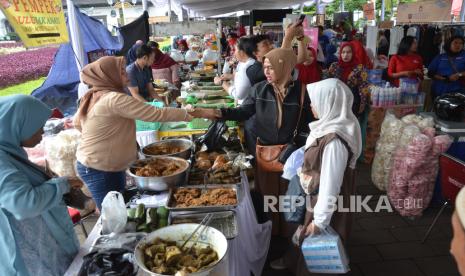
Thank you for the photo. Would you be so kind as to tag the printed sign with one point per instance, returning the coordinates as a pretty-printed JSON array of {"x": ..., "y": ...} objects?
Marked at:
[
  {"x": 369, "y": 11},
  {"x": 37, "y": 22},
  {"x": 425, "y": 12}
]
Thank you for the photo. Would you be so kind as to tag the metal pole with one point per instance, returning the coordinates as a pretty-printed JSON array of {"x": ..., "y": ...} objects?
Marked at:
[
  {"x": 144, "y": 5},
  {"x": 122, "y": 13},
  {"x": 462, "y": 12},
  {"x": 342, "y": 6},
  {"x": 169, "y": 10},
  {"x": 218, "y": 43},
  {"x": 383, "y": 8}
]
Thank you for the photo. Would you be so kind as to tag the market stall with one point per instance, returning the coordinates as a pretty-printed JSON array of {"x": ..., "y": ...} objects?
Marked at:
[{"x": 247, "y": 246}]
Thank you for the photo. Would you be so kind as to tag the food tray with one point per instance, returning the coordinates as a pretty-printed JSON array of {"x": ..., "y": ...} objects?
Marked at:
[
  {"x": 225, "y": 222},
  {"x": 170, "y": 206}
]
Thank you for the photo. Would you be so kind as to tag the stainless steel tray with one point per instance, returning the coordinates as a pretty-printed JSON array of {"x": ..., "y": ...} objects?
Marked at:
[
  {"x": 225, "y": 221},
  {"x": 171, "y": 202}
]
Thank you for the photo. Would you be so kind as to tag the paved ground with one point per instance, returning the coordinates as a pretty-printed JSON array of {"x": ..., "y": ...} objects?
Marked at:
[
  {"x": 383, "y": 244},
  {"x": 386, "y": 244}
]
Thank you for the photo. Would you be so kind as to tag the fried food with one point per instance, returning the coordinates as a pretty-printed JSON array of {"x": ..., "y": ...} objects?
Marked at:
[
  {"x": 220, "y": 161},
  {"x": 165, "y": 257},
  {"x": 193, "y": 197},
  {"x": 159, "y": 167}
]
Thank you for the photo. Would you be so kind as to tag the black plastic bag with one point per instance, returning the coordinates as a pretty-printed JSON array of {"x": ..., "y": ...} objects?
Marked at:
[
  {"x": 450, "y": 107},
  {"x": 213, "y": 139},
  {"x": 114, "y": 262}
]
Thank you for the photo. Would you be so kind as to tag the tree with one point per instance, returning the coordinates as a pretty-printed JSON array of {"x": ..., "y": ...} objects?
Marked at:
[{"x": 353, "y": 5}]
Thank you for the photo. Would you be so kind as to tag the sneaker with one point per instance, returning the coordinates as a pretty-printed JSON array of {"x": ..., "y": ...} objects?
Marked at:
[{"x": 278, "y": 264}]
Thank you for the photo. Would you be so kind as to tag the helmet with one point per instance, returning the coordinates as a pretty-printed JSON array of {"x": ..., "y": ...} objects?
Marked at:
[{"x": 450, "y": 107}]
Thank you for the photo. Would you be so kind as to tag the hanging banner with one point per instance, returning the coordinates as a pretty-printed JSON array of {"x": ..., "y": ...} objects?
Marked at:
[
  {"x": 425, "y": 12},
  {"x": 37, "y": 22}
]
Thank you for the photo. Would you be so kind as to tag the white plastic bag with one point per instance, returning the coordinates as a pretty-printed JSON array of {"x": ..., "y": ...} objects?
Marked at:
[
  {"x": 293, "y": 163},
  {"x": 324, "y": 253},
  {"x": 114, "y": 214}
]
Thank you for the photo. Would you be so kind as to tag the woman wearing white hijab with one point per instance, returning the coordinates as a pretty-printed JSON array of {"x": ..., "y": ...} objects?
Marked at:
[
  {"x": 332, "y": 148},
  {"x": 331, "y": 153}
]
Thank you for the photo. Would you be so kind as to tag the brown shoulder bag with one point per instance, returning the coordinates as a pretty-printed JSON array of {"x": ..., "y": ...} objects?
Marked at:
[{"x": 267, "y": 157}]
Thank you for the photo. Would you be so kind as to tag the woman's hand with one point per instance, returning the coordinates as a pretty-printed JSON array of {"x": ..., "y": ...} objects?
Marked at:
[
  {"x": 454, "y": 77},
  {"x": 226, "y": 77},
  {"x": 217, "y": 80},
  {"x": 295, "y": 30},
  {"x": 312, "y": 229},
  {"x": 419, "y": 72},
  {"x": 74, "y": 182}
]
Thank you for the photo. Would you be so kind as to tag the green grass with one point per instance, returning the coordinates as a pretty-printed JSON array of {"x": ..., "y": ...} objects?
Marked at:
[{"x": 23, "y": 88}]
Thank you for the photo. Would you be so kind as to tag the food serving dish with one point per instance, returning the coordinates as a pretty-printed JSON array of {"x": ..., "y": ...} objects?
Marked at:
[
  {"x": 163, "y": 182},
  {"x": 172, "y": 147},
  {"x": 175, "y": 205},
  {"x": 179, "y": 233},
  {"x": 225, "y": 221}
]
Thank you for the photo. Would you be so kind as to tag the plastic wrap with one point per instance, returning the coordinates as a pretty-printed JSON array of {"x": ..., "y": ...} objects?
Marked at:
[
  {"x": 429, "y": 131},
  {"x": 408, "y": 133},
  {"x": 411, "y": 119},
  {"x": 61, "y": 152},
  {"x": 414, "y": 172},
  {"x": 191, "y": 56},
  {"x": 396, "y": 133},
  {"x": 177, "y": 56},
  {"x": 385, "y": 147},
  {"x": 426, "y": 122},
  {"x": 325, "y": 253},
  {"x": 37, "y": 154}
]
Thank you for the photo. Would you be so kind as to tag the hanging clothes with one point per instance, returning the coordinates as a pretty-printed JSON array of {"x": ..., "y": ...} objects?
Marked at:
[
  {"x": 397, "y": 33},
  {"x": 429, "y": 44}
]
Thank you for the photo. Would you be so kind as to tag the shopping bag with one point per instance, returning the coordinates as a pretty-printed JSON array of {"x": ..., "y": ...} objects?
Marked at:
[
  {"x": 114, "y": 214},
  {"x": 325, "y": 253},
  {"x": 296, "y": 196}
]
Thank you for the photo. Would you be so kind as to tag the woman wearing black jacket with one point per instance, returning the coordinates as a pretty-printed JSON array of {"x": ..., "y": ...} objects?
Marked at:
[{"x": 276, "y": 103}]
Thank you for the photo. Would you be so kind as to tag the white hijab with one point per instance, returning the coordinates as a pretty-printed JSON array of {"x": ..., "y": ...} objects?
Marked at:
[{"x": 332, "y": 100}]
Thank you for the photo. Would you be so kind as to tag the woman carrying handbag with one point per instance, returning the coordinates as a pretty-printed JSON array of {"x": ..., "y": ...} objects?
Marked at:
[{"x": 282, "y": 110}]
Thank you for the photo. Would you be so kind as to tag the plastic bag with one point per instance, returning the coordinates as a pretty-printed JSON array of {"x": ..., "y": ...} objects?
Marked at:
[
  {"x": 297, "y": 208},
  {"x": 114, "y": 214},
  {"x": 325, "y": 253},
  {"x": 115, "y": 262},
  {"x": 385, "y": 147},
  {"x": 126, "y": 241},
  {"x": 414, "y": 172},
  {"x": 60, "y": 152},
  {"x": 293, "y": 163},
  {"x": 213, "y": 139}
]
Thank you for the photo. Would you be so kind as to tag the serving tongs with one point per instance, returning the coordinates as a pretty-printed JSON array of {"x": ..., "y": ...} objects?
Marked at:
[{"x": 206, "y": 220}]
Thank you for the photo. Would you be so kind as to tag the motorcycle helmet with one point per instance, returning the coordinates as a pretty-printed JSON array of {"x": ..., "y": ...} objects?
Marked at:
[{"x": 450, "y": 107}]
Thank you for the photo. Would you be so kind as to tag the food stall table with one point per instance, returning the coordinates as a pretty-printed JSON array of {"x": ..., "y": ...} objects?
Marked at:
[{"x": 246, "y": 253}]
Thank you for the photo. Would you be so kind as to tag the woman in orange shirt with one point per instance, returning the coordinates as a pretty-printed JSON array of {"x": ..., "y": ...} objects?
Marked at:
[{"x": 407, "y": 63}]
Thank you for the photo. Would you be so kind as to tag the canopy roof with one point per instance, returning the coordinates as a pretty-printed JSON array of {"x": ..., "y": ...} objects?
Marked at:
[{"x": 208, "y": 8}]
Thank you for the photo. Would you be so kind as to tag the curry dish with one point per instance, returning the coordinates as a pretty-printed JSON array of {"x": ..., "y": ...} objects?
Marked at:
[
  {"x": 163, "y": 149},
  {"x": 193, "y": 197},
  {"x": 159, "y": 167},
  {"x": 166, "y": 257}
]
